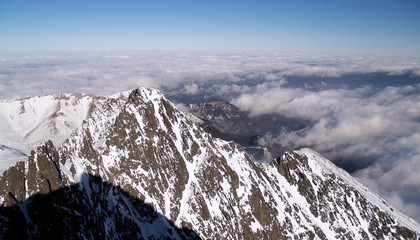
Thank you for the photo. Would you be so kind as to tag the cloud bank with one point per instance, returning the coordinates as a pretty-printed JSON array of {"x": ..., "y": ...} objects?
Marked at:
[
  {"x": 371, "y": 127},
  {"x": 101, "y": 73}
]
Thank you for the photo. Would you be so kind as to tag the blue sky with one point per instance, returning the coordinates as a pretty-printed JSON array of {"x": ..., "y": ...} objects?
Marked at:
[{"x": 388, "y": 27}]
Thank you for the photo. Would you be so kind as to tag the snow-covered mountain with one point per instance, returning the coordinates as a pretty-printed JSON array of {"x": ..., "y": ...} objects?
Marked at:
[
  {"x": 26, "y": 123},
  {"x": 142, "y": 169}
]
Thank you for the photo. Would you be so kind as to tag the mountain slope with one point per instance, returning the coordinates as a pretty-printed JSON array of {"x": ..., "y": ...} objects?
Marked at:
[
  {"x": 148, "y": 148},
  {"x": 334, "y": 198},
  {"x": 27, "y": 122}
]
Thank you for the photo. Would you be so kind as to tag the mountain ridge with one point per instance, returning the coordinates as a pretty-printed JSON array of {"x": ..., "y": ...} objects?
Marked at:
[{"x": 149, "y": 149}]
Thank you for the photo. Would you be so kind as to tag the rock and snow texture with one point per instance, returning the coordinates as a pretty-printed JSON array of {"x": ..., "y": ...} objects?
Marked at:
[
  {"x": 336, "y": 203},
  {"x": 153, "y": 172}
]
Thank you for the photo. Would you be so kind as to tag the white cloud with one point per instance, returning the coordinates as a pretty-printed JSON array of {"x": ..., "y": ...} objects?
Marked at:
[{"x": 191, "y": 89}]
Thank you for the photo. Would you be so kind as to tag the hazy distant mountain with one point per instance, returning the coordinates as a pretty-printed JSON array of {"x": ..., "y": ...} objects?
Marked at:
[
  {"x": 141, "y": 169},
  {"x": 226, "y": 121}
]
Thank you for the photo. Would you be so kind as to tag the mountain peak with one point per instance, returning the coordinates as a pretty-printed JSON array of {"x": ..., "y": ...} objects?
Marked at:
[{"x": 144, "y": 94}]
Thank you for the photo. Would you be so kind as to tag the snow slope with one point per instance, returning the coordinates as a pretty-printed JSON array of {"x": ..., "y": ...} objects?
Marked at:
[
  {"x": 26, "y": 123},
  {"x": 321, "y": 165}
]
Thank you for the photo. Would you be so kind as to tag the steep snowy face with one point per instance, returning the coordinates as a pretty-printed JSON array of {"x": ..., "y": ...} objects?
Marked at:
[
  {"x": 26, "y": 123},
  {"x": 339, "y": 204},
  {"x": 148, "y": 167}
]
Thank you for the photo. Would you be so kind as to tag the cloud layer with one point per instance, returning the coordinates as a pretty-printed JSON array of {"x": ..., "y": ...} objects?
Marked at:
[
  {"x": 23, "y": 75},
  {"x": 370, "y": 127}
]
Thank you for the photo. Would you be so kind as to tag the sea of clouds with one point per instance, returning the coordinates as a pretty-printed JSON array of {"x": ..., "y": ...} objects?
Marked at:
[{"x": 370, "y": 128}]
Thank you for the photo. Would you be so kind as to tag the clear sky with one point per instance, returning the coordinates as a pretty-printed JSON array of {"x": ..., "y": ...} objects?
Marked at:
[{"x": 363, "y": 26}]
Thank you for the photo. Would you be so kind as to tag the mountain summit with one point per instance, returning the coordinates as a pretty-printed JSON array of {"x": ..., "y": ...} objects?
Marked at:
[{"x": 142, "y": 169}]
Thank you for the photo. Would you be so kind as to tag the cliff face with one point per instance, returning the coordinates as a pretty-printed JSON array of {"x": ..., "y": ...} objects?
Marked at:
[{"x": 142, "y": 169}]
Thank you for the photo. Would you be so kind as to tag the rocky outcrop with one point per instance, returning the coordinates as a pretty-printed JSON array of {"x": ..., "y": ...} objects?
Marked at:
[{"x": 40, "y": 174}]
